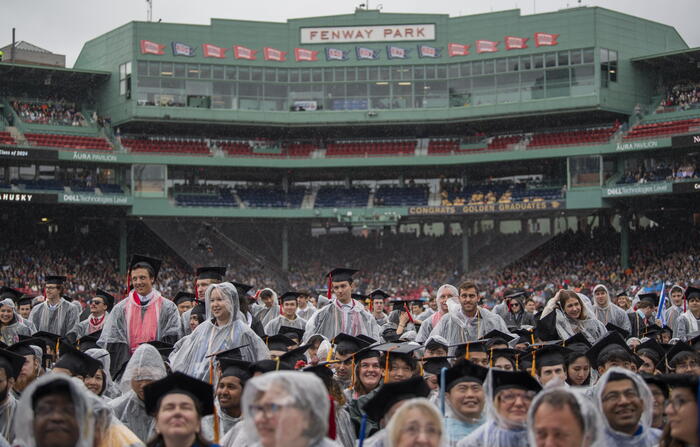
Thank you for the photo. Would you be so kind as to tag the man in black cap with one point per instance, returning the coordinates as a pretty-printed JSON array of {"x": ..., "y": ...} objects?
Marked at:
[
  {"x": 229, "y": 390},
  {"x": 645, "y": 314},
  {"x": 184, "y": 301},
  {"x": 343, "y": 314},
  {"x": 465, "y": 399},
  {"x": 289, "y": 318},
  {"x": 24, "y": 307},
  {"x": 204, "y": 277},
  {"x": 549, "y": 362},
  {"x": 378, "y": 298},
  {"x": 100, "y": 305},
  {"x": 305, "y": 309},
  {"x": 55, "y": 314},
  {"x": 32, "y": 352},
  {"x": 143, "y": 316},
  {"x": 10, "y": 367}
]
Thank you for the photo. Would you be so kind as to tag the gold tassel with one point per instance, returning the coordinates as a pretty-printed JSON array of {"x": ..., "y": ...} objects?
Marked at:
[
  {"x": 352, "y": 379},
  {"x": 386, "y": 367},
  {"x": 491, "y": 358},
  {"x": 329, "y": 357},
  {"x": 216, "y": 416},
  {"x": 466, "y": 353},
  {"x": 534, "y": 362}
]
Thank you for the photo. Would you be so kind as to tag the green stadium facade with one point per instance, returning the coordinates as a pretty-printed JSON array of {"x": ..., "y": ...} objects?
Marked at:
[{"x": 570, "y": 95}]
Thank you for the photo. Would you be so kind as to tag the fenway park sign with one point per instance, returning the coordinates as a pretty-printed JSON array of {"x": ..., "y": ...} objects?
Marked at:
[{"x": 381, "y": 33}]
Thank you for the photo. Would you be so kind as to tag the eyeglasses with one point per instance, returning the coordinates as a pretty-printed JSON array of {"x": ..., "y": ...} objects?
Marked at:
[
  {"x": 51, "y": 287},
  {"x": 615, "y": 397},
  {"x": 96, "y": 302},
  {"x": 688, "y": 365},
  {"x": 678, "y": 402},
  {"x": 509, "y": 398},
  {"x": 268, "y": 410},
  {"x": 415, "y": 430}
]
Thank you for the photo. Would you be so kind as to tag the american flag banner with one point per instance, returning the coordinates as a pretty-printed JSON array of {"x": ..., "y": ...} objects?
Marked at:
[
  {"x": 486, "y": 46},
  {"x": 210, "y": 50},
  {"x": 336, "y": 54},
  {"x": 182, "y": 49},
  {"x": 516, "y": 43},
  {"x": 273, "y": 54},
  {"x": 304, "y": 55},
  {"x": 366, "y": 53},
  {"x": 428, "y": 51},
  {"x": 241, "y": 52},
  {"x": 394, "y": 52},
  {"x": 457, "y": 49},
  {"x": 546, "y": 39},
  {"x": 148, "y": 47}
]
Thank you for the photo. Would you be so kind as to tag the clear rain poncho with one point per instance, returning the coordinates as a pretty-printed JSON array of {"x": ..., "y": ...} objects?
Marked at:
[
  {"x": 84, "y": 415},
  {"x": 496, "y": 431},
  {"x": 58, "y": 320},
  {"x": 456, "y": 328},
  {"x": 190, "y": 357},
  {"x": 9, "y": 334},
  {"x": 111, "y": 390},
  {"x": 335, "y": 318},
  {"x": 298, "y": 401},
  {"x": 429, "y": 323},
  {"x": 145, "y": 364},
  {"x": 610, "y": 313},
  {"x": 266, "y": 314},
  {"x": 592, "y": 328},
  {"x": 592, "y": 420},
  {"x": 646, "y": 436}
]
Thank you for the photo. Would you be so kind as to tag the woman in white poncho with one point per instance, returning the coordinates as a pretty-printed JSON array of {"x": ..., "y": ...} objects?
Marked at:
[
  {"x": 223, "y": 329},
  {"x": 11, "y": 325},
  {"x": 572, "y": 316}
]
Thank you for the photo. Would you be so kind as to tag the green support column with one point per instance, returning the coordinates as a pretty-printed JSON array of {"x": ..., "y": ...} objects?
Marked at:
[
  {"x": 624, "y": 240},
  {"x": 465, "y": 246},
  {"x": 285, "y": 247},
  {"x": 122, "y": 247}
]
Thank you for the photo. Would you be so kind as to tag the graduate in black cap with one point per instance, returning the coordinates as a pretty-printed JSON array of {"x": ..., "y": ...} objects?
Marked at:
[
  {"x": 343, "y": 314},
  {"x": 645, "y": 314},
  {"x": 681, "y": 411},
  {"x": 343, "y": 350},
  {"x": 100, "y": 305},
  {"x": 384, "y": 403},
  {"x": 55, "y": 314},
  {"x": 399, "y": 361},
  {"x": 11, "y": 324},
  {"x": 184, "y": 301},
  {"x": 288, "y": 316},
  {"x": 10, "y": 367},
  {"x": 305, "y": 309},
  {"x": 229, "y": 390},
  {"x": 143, "y": 315},
  {"x": 367, "y": 375},
  {"x": 75, "y": 363},
  {"x": 548, "y": 362},
  {"x": 24, "y": 308},
  {"x": 464, "y": 399},
  {"x": 204, "y": 277},
  {"x": 689, "y": 321}
]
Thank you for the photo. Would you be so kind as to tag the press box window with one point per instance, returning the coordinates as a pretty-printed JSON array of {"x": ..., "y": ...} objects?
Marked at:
[{"x": 125, "y": 80}]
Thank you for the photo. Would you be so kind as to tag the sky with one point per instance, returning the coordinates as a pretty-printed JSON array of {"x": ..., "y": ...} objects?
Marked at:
[{"x": 62, "y": 26}]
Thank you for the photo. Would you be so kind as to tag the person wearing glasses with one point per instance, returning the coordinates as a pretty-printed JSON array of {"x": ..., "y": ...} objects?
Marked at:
[
  {"x": 416, "y": 423},
  {"x": 626, "y": 402},
  {"x": 285, "y": 408},
  {"x": 100, "y": 305},
  {"x": 55, "y": 314},
  {"x": 509, "y": 395},
  {"x": 681, "y": 429}
]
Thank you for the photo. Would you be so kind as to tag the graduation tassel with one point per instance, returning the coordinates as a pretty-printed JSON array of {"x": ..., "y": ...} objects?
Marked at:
[
  {"x": 277, "y": 365},
  {"x": 352, "y": 378},
  {"x": 443, "y": 385},
  {"x": 363, "y": 430},
  {"x": 466, "y": 353},
  {"x": 329, "y": 357},
  {"x": 386, "y": 367},
  {"x": 517, "y": 358},
  {"x": 532, "y": 336},
  {"x": 58, "y": 342},
  {"x": 534, "y": 362},
  {"x": 329, "y": 294},
  {"x": 420, "y": 368},
  {"x": 491, "y": 358},
  {"x": 332, "y": 430},
  {"x": 410, "y": 317},
  {"x": 216, "y": 416}
]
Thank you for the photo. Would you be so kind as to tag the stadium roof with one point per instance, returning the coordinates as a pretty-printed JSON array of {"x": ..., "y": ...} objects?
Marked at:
[
  {"x": 678, "y": 62},
  {"x": 39, "y": 75}
]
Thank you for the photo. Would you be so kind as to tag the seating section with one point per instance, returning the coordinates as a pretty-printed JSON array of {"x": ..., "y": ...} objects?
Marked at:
[
  {"x": 6, "y": 138},
  {"x": 401, "y": 196},
  {"x": 371, "y": 148},
  {"x": 110, "y": 188},
  {"x": 68, "y": 141},
  {"x": 338, "y": 196},
  {"x": 176, "y": 146},
  {"x": 484, "y": 194},
  {"x": 302, "y": 150},
  {"x": 223, "y": 198},
  {"x": 573, "y": 137},
  {"x": 442, "y": 146},
  {"x": 271, "y": 197},
  {"x": 649, "y": 130},
  {"x": 503, "y": 141},
  {"x": 522, "y": 194},
  {"x": 45, "y": 185}
]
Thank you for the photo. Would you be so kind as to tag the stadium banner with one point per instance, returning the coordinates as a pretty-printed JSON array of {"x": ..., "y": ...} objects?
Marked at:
[
  {"x": 304, "y": 55},
  {"x": 273, "y": 54},
  {"x": 28, "y": 154},
  {"x": 363, "y": 53},
  {"x": 515, "y": 43},
  {"x": 638, "y": 189},
  {"x": 457, "y": 49},
  {"x": 16, "y": 197},
  {"x": 182, "y": 49},
  {"x": 88, "y": 156},
  {"x": 686, "y": 141},
  {"x": 486, "y": 46},
  {"x": 148, "y": 47},
  {"x": 336, "y": 54},
  {"x": 546, "y": 39},
  {"x": 210, "y": 50},
  {"x": 491, "y": 208},
  {"x": 241, "y": 52},
  {"x": 637, "y": 145},
  {"x": 428, "y": 51},
  {"x": 394, "y": 52},
  {"x": 378, "y": 33},
  {"x": 94, "y": 199},
  {"x": 305, "y": 106},
  {"x": 685, "y": 187}
]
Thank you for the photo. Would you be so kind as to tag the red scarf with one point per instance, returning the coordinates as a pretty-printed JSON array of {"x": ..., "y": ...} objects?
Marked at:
[
  {"x": 141, "y": 330},
  {"x": 96, "y": 324}
]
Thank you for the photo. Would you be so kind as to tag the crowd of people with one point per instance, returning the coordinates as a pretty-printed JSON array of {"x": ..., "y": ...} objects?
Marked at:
[
  {"x": 232, "y": 364},
  {"x": 54, "y": 112},
  {"x": 658, "y": 171},
  {"x": 685, "y": 95}
]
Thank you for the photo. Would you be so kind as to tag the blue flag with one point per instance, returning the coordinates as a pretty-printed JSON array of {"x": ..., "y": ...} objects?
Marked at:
[{"x": 661, "y": 314}]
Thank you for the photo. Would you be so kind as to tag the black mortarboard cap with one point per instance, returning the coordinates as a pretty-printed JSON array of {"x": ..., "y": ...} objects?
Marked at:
[
  {"x": 519, "y": 293},
  {"x": 78, "y": 363},
  {"x": 24, "y": 299},
  {"x": 199, "y": 308},
  {"x": 358, "y": 296},
  {"x": 55, "y": 279},
  {"x": 236, "y": 368},
  {"x": 88, "y": 341},
  {"x": 612, "y": 340},
  {"x": 146, "y": 262},
  {"x": 692, "y": 292},
  {"x": 650, "y": 298},
  {"x": 652, "y": 330},
  {"x": 503, "y": 380},
  {"x": 576, "y": 339},
  {"x": 464, "y": 371},
  {"x": 434, "y": 365},
  {"x": 9, "y": 292},
  {"x": 292, "y": 332},
  {"x": 289, "y": 296},
  {"x": 163, "y": 348},
  {"x": 398, "y": 349},
  {"x": 292, "y": 357},
  {"x": 389, "y": 334},
  {"x": 498, "y": 334},
  {"x": 233, "y": 353},
  {"x": 658, "y": 381},
  {"x": 366, "y": 353},
  {"x": 545, "y": 327},
  {"x": 108, "y": 297},
  {"x": 348, "y": 343},
  {"x": 179, "y": 383},
  {"x": 341, "y": 274},
  {"x": 216, "y": 273},
  {"x": 279, "y": 342},
  {"x": 366, "y": 339},
  {"x": 507, "y": 352},
  {"x": 12, "y": 361},
  {"x": 181, "y": 297},
  {"x": 462, "y": 349},
  {"x": 323, "y": 372},
  {"x": 22, "y": 347},
  {"x": 432, "y": 344},
  {"x": 654, "y": 346},
  {"x": 378, "y": 293},
  {"x": 241, "y": 288},
  {"x": 266, "y": 366},
  {"x": 613, "y": 328},
  {"x": 391, "y": 393},
  {"x": 678, "y": 348},
  {"x": 47, "y": 337},
  {"x": 549, "y": 355},
  {"x": 689, "y": 381},
  {"x": 622, "y": 293}
]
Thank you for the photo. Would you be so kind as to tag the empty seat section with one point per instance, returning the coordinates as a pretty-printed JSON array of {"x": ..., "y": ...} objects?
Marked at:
[
  {"x": 68, "y": 141},
  {"x": 650, "y": 130},
  {"x": 442, "y": 146},
  {"x": 175, "y": 146},
  {"x": 6, "y": 138},
  {"x": 573, "y": 137},
  {"x": 401, "y": 196},
  {"x": 362, "y": 148},
  {"x": 338, "y": 196},
  {"x": 271, "y": 197},
  {"x": 503, "y": 141},
  {"x": 236, "y": 148}
]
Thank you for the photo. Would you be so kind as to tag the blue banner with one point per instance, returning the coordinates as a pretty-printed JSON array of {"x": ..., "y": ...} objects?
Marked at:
[
  {"x": 336, "y": 54},
  {"x": 366, "y": 53},
  {"x": 394, "y": 52},
  {"x": 428, "y": 51},
  {"x": 182, "y": 49}
]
